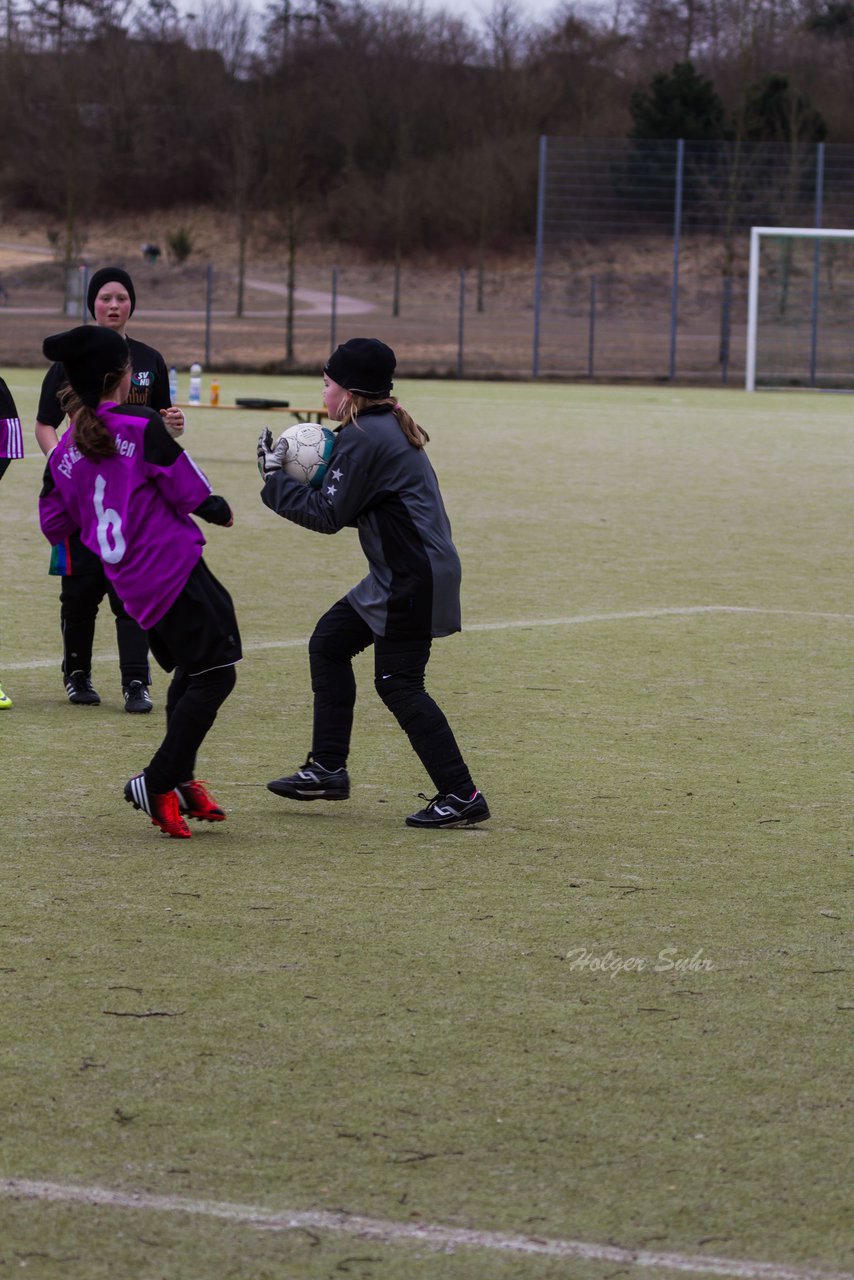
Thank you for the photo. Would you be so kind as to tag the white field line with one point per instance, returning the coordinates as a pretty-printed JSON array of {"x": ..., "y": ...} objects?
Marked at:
[
  {"x": 524, "y": 624},
  {"x": 429, "y": 1235}
]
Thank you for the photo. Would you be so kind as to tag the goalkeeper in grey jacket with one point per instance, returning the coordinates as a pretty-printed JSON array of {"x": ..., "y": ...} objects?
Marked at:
[{"x": 379, "y": 480}]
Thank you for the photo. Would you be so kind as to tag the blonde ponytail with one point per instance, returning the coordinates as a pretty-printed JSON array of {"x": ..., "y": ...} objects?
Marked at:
[{"x": 415, "y": 434}]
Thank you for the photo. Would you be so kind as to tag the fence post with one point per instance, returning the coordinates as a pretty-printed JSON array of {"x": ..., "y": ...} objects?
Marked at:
[
  {"x": 591, "y": 328},
  {"x": 208, "y": 307},
  {"x": 816, "y": 260},
  {"x": 333, "y": 310},
  {"x": 726, "y": 314},
  {"x": 461, "y": 327},
  {"x": 538, "y": 271},
  {"x": 677, "y": 236},
  {"x": 395, "y": 297},
  {"x": 76, "y": 287}
]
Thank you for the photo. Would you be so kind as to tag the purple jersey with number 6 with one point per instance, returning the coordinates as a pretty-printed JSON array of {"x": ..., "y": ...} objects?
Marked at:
[{"x": 132, "y": 508}]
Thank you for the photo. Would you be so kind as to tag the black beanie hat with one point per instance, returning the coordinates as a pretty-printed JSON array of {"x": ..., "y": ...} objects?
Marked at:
[
  {"x": 91, "y": 354},
  {"x": 104, "y": 275},
  {"x": 364, "y": 365}
]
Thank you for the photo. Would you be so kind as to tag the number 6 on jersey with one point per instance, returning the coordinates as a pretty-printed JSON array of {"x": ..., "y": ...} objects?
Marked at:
[{"x": 109, "y": 523}]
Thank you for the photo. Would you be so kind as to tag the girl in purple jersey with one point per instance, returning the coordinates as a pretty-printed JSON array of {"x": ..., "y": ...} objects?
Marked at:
[
  {"x": 11, "y": 446},
  {"x": 119, "y": 477},
  {"x": 111, "y": 299}
]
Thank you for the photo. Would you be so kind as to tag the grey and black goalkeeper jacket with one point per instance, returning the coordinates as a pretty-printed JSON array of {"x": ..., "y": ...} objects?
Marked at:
[{"x": 385, "y": 487}]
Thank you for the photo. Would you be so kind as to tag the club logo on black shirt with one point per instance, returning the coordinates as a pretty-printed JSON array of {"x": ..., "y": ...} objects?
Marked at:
[{"x": 140, "y": 387}]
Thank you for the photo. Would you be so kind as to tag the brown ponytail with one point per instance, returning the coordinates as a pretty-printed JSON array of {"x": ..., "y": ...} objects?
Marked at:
[
  {"x": 90, "y": 434},
  {"x": 415, "y": 434}
]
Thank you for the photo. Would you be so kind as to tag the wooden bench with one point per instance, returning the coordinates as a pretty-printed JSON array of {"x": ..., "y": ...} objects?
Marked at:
[{"x": 301, "y": 415}]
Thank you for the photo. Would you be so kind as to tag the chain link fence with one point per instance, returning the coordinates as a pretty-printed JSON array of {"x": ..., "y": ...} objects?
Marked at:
[
  {"x": 441, "y": 323},
  {"x": 639, "y": 271},
  {"x": 642, "y": 259}
]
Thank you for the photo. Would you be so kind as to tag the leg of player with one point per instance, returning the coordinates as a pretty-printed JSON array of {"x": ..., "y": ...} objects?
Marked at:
[
  {"x": 399, "y": 680},
  {"x": 132, "y": 644},
  {"x": 199, "y": 641},
  {"x": 167, "y": 788},
  {"x": 338, "y": 637},
  {"x": 79, "y": 598}
]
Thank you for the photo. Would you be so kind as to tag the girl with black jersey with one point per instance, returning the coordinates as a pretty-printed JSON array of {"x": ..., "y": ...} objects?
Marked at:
[{"x": 380, "y": 480}]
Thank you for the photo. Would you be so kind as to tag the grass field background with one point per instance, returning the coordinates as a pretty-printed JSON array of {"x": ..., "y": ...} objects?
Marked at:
[{"x": 653, "y": 689}]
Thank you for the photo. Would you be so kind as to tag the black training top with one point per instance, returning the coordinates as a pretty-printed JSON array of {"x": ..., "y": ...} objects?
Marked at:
[{"x": 386, "y": 487}]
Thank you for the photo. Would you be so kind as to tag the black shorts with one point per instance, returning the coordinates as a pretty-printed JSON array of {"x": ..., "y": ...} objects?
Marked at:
[{"x": 199, "y": 632}]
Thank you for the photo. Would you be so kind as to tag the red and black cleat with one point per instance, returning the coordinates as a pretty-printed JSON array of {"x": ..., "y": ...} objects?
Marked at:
[
  {"x": 161, "y": 809},
  {"x": 195, "y": 801}
]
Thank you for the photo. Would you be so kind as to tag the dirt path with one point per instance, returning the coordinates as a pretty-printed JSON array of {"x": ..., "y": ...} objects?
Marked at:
[{"x": 318, "y": 301}]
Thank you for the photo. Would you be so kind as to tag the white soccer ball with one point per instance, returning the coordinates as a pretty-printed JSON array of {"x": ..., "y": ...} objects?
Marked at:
[{"x": 309, "y": 450}]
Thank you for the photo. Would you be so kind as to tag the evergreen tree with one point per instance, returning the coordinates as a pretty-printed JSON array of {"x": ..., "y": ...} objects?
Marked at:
[
  {"x": 773, "y": 113},
  {"x": 679, "y": 103}
]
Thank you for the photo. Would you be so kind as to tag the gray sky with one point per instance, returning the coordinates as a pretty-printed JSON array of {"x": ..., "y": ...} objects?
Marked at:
[
  {"x": 533, "y": 11},
  {"x": 475, "y": 10},
  {"x": 537, "y": 11}
]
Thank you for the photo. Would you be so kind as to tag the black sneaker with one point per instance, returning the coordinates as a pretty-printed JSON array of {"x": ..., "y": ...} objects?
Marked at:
[
  {"x": 450, "y": 811},
  {"x": 80, "y": 690},
  {"x": 313, "y": 782},
  {"x": 136, "y": 697}
]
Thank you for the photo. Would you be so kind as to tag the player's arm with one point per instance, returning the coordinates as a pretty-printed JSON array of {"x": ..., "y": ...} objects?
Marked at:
[
  {"x": 11, "y": 441},
  {"x": 345, "y": 493},
  {"x": 46, "y": 437},
  {"x": 50, "y": 413},
  {"x": 215, "y": 510},
  {"x": 56, "y": 523},
  {"x": 181, "y": 482},
  {"x": 162, "y": 401},
  {"x": 160, "y": 397},
  {"x": 299, "y": 503}
]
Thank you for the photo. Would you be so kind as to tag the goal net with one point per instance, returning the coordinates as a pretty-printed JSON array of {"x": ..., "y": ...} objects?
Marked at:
[{"x": 800, "y": 308}]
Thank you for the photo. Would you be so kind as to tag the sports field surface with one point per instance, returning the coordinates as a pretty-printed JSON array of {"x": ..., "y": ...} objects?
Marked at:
[{"x": 607, "y": 1033}]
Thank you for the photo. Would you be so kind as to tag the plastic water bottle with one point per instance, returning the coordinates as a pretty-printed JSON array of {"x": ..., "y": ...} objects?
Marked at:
[
  {"x": 215, "y": 391},
  {"x": 195, "y": 396},
  {"x": 173, "y": 384}
]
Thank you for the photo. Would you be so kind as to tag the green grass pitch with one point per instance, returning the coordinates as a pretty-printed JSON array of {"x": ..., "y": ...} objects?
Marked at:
[{"x": 619, "y": 1013}]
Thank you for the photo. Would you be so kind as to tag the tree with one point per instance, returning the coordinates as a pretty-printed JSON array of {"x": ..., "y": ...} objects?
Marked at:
[
  {"x": 773, "y": 113},
  {"x": 835, "y": 19},
  {"x": 679, "y": 103}
]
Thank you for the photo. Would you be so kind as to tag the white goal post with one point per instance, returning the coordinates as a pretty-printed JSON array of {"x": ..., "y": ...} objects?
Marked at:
[{"x": 756, "y": 234}]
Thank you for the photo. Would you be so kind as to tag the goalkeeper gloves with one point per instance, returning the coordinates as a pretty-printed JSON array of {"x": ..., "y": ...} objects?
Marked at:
[{"x": 271, "y": 457}]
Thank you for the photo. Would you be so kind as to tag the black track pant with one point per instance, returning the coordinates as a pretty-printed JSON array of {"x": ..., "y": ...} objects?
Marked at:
[
  {"x": 192, "y": 704},
  {"x": 399, "y": 667},
  {"x": 79, "y": 598}
]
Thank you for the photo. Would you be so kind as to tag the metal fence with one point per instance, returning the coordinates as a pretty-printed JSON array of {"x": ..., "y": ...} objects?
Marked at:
[
  {"x": 642, "y": 258},
  {"x": 443, "y": 323},
  {"x": 639, "y": 271}
]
